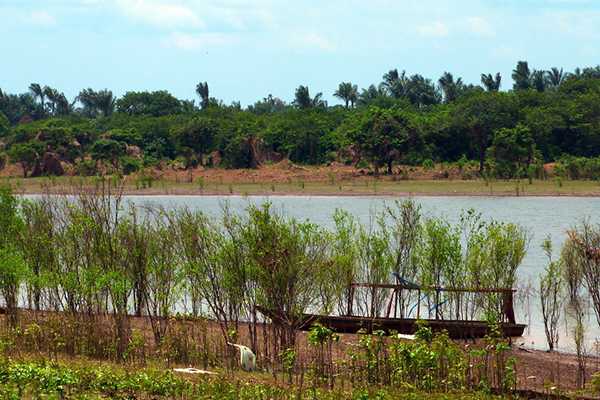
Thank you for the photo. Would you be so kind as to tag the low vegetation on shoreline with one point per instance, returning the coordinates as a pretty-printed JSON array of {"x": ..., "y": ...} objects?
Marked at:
[
  {"x": 108, "y": 282},
  {"x": 73, "y": 379},
  {"x": 223, "y": 183}
]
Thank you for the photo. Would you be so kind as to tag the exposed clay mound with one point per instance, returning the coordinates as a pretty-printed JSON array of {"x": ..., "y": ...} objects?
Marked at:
[
  {"x": 49, "y": 165},
  {"x": 133, "y": 151},
  {"x": 549, "y": 168},
  {"x": 215, "y": 159}
]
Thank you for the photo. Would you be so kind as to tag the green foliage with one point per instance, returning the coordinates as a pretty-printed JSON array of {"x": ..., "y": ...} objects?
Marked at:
[
  {"x": 99, "y": 261},
  {"x": 319, "y": 335},
  {"x": 401, "y": 121},
  {"x": 382, "y": 136},
  {"x": 130, "y": 136},
  {"x": 428, "y": 164},
  {"x": 512, "y": 151},
  {"x": 285, "y": 257},
  {"x": 148, "y": 103},
  {"x": 86, "y": 167},
  {"x": 107, "y": 150},
  {"x": 578, "y": 168},
  {"x": 551, "y": 295},
  {"x": 88, "y": 381},
  {"x": 12, "y": 266},
  {"x": 130, "y": 165},
  {"x": 4, "y": 125},
  {"x": 25, "y": 154}
]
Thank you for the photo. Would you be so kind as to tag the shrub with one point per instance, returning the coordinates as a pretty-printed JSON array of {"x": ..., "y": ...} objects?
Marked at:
[
  {"x": 130, "y": 165},
  {"x": 428, "y": 164},
  {"x": 86, "y": 167}
]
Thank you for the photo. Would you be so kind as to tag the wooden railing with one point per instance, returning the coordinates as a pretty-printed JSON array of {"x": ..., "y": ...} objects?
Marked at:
[{"x": 507, "y": 308}]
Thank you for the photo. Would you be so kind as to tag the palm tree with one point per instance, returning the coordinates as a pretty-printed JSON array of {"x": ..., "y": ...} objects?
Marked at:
[
  {"x": 522, "y": 76},
  {"x": 395, "y": 83},
  {"x": 87, "y": 97},
  {"x": 373, "y": 92},
  {"x": 303, "y": 100},
  {"x": 491, "y": 84},
  {"x": 555, "y": 77},
  {"x": 202, "y": 90},
  {"x": 422, "y": 91},
  {"x": 591, "y": 72},
  {"x": 63, "y": 107},
  {"x": 52, "y": 95},
  {"x": 347, "y": 92},
  {"x": 302, "y": 97},
  {"x": 105, "y": 102},
  {"x": 318, "y": 101},
  {"x": 538, "y": 80},
  {"x": 37, "y": 91},
  {"x": 452, "y": 89},
  {"x": 94, "y": 102}
]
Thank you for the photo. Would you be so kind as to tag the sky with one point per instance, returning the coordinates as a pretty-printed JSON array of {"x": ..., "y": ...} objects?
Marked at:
[{"x": 247, "y": 49}]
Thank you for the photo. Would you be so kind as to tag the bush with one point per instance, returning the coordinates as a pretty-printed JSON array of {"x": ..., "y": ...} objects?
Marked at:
[
  {"x": 86, "y": 168},
  {"x": 428, "y": 164},
  {"x": 578, "y": 168},
  {"x": 362, "y": 164},
  {"x": 130, "y": 165}
]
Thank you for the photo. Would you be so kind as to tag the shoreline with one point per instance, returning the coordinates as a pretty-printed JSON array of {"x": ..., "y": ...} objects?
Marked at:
[
  {"x": 535, "y": 367},
  {"x": 386, "y": 194},
  {"x": 264, "y": 184}
]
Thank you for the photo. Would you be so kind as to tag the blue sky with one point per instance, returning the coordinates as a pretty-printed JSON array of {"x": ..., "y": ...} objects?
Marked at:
[{"x": 246, "y": 49}]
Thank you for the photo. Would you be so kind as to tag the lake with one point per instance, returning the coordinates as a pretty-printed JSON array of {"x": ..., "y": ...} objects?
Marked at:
[{"x": 540, "y": 216}]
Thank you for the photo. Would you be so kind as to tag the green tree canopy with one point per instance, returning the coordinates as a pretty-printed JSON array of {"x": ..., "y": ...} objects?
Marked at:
[
  {"x": 149, "y": 103},
  {"x": 512, "y": 151},
  {"x": 381, "y": 136},
  {"x": 26, "y": 154}
]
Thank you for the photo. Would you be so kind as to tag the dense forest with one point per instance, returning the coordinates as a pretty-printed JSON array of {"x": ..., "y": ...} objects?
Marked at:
[{"x": 544, "y": 116}]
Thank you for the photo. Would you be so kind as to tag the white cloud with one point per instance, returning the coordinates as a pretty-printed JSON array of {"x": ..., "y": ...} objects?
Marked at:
[
  {"x": 576, "y": 23},
  {"x": 41, "y": 18},
  {"x": 160, "y": 13},
  {"x": 505, "y": 52},
  {"x": 200, "y": 41},
  {"x": 433, "y": 29},
  {"x": 312, "y": 40},
  {"x": 480, "y": 26}
]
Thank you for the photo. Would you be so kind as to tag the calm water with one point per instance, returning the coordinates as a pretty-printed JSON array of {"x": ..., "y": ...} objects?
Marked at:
[{"x": 541, "y": 216}]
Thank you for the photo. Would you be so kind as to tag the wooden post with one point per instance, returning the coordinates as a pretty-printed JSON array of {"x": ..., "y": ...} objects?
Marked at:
[
  {"x": 437, "y": 302},
  {"x": 350, "y": 300},
  {"x": 419, "y": 304},
  {"x": 508, "y": 309},
  {"x": 389, "y": 307}
]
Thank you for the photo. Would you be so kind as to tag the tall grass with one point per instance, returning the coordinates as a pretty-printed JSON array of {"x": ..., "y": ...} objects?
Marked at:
[{"x": 100, "y": 262}]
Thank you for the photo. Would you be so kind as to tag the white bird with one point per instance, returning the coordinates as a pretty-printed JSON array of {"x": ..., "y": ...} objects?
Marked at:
[{"x": 247, "y": 357}]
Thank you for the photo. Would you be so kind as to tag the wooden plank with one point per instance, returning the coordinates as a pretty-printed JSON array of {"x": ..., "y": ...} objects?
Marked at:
[
  {"x": 433, "y": 288},
  {"x": 456, "y": 329}
]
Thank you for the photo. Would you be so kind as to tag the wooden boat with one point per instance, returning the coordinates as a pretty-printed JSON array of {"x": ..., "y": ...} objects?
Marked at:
[{"x": 456, "y": 328}]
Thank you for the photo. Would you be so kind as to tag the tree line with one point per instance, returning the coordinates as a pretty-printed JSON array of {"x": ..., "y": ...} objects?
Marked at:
[{"x": 405, "y": 119}]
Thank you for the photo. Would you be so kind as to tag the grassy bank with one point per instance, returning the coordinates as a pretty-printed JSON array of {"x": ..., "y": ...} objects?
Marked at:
[
  {"x": 84, "y": 379},
  {"x": 364, "y": 186}
]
